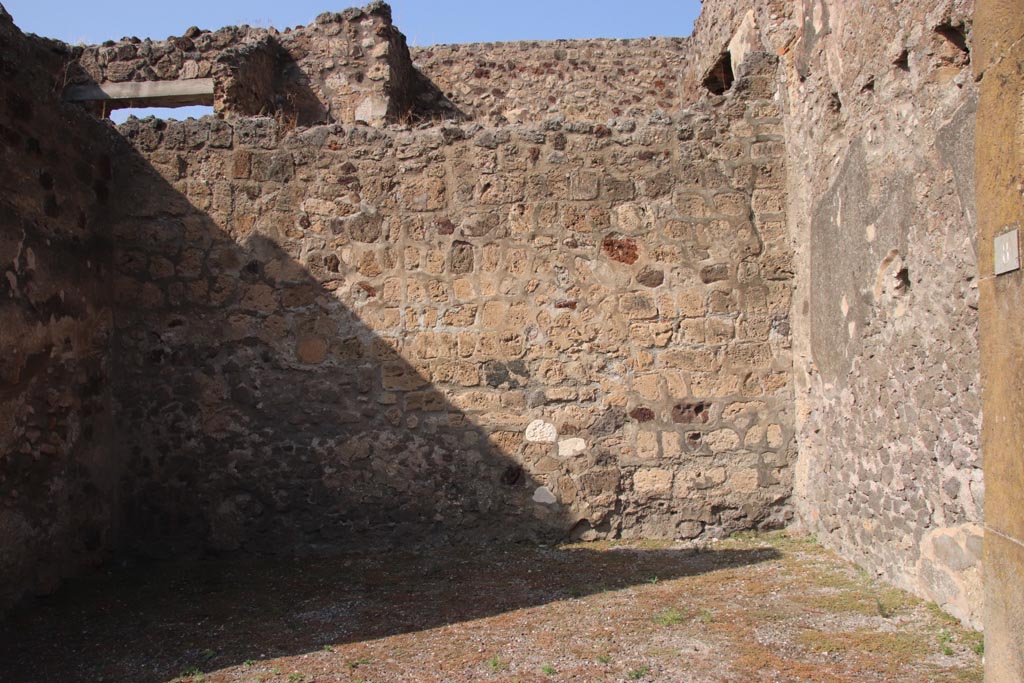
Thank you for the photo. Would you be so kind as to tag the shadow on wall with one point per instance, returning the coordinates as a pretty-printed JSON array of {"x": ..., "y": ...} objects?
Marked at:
[
  {"x": 152, "y": 623},
  {"x": 264, "y": 79},
  {"x": 257, "y": 411},
  {"x": 58, "y": 479}
]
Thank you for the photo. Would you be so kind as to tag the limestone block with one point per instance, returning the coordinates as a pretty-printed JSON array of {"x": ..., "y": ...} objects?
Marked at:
[
  {"x": 651, "y": 482},
  {"x": 540, "y": 431},
  {"x": 544, "y": 496},
  {"x": 568, "y": 448}
]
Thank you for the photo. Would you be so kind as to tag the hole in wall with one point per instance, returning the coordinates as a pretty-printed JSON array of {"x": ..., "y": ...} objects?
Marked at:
[
  {"x": 835, "y": 105},
  {"x": 642, "y": 414},
  {"x": 720, "y": 77},
  {"x": 166, "y": 113},
  {"x": 893, "y": 278},
  {"x": 902, "y": 281},
  {"x": 691, "y": 413},
  {"x": 902, "y": 62},
  {"x": 956, "y": 34}
]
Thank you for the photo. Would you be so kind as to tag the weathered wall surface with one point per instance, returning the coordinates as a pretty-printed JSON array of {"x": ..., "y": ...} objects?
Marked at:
[
  {"x": 344, "y": 67},
  {"x": 578, "y": 318},
  {"x": 491, "y": 332},
  {"x": 57, "y": 469},
  {"x": 999, "y": 64},
  {"x": 578, "y": 80},
  {"x": 880, "y": 104}
]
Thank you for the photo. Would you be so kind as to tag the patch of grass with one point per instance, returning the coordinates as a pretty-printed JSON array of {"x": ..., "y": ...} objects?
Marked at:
[
  {"x": 939, "y": 615},
  {"x": 945, "y": 639},
  {"x": 358, "y": 663},
  {"x": 753, "y": 658},
  {"x": 765, "y": 614},
  {"x": 296, "y": 678},
  {"x": 866, "y": 600},
  {"x": 973, "y": 675},
  {"x": 705, "y": 616},
  {"x": 639, "y": 672},
  {"x": 900, "y": 647},
  {"x": 780, "y": 540},
  {"x": 328, "y": 648},
  {"x": 950, "y": 634},
  {"x": 885, "y": 609},
  {"x": 604, "y": 659},
  {"x": 496, "y": 663},
  {"x": 835, "y": 590},
  {"x": 249, "y": 662},
  {"x": 549, "y": 670},
  {"x": 669, "y": 617}
]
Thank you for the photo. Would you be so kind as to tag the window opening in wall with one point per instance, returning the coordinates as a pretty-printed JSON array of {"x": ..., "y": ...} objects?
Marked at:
[
  {"x": 104, "y": 98},
  {"x": 179, "y": 113},
  {"x": 720, "y": 77}
]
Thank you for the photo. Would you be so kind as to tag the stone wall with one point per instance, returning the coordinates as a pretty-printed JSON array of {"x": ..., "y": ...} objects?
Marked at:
[
  {"x": 576, "y": 315},
  {"x": 520, "y": 331},
  {"x": 588, "y": 80},
  {"x": 879, "y": 117},
  {"x": 345, "y": 67},
  {"x": 58, "y": 471},
  {"x": 999, "y": 64}
]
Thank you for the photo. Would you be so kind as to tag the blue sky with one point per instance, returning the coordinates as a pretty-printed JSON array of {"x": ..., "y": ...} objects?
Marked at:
[{"x": 424, "y": 22}]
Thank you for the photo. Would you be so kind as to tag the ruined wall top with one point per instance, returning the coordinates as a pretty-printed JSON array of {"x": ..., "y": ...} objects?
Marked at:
[
  {"x": 530, "y": 81},
  {"x": 356, "y": 66},
  {"x": 344, "y": 67}
]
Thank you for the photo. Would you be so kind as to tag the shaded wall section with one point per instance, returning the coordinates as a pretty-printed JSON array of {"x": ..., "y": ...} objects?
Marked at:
[
  {"x": 569, "y": 328},
  {"x": 879, "y": 107},
  {"x": 999, "y": 64},
  {"x": 480, "y": 332},
  {"x": 58, "y": 471}
]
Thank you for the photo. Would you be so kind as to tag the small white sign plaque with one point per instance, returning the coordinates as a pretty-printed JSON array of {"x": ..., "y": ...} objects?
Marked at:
[{"x": 1007, "y": 252}]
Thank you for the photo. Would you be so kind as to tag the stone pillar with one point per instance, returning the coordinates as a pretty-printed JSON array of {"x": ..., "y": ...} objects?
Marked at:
[{"x": 999, "y": 157}]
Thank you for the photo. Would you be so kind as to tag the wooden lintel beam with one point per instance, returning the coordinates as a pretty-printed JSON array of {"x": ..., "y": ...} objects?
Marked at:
[{"x": 180, "y": 93}]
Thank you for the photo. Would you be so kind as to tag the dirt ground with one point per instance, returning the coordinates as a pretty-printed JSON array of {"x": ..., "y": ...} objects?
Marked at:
[{"x": 768, "y": 607}]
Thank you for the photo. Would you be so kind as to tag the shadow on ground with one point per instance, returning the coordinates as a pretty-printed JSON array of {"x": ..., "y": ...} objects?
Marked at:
[{"x": 152, "y": 622}]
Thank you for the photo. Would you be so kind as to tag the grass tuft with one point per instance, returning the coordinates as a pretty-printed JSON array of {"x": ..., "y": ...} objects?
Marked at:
[
  {"x": 669, "y": 617},
  {"x": 639, "y": 672}
]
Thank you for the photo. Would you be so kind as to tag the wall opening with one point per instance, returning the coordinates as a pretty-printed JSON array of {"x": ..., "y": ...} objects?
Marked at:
[
  {"x": 720, "y": 77},
  {"x": 166, "y": 113},
  {"x": 902, "y": 62},
  {"x": 955, "y": 34}
]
